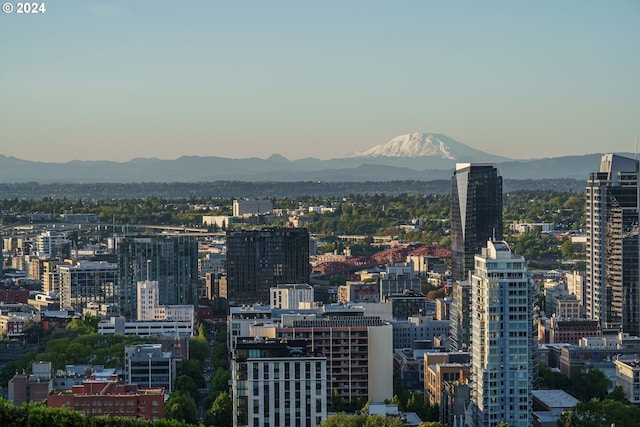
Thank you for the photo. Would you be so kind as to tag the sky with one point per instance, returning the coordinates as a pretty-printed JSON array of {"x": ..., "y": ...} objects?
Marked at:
[{"x": 117, "y": 80}]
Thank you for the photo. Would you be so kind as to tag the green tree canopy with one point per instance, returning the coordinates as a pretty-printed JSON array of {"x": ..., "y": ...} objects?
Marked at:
[
  {"x": 182, "y": 407},
  {"x": 360, "y": 420},
  {"x": 221, "y": 412},
  {"x": 600, "y": 413},
  {"x": 186, "y": 385}
]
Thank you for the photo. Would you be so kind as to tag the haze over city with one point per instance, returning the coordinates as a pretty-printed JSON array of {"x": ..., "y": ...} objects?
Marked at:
[{"x": 116, "y": 80}]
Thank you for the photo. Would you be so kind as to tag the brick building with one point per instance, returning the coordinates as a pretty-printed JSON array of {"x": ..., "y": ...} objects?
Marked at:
[{"x": 94, "y": 398}]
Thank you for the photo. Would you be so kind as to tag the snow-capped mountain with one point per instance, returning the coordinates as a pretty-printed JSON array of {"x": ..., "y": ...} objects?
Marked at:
[{"x": 429, "y": 145}]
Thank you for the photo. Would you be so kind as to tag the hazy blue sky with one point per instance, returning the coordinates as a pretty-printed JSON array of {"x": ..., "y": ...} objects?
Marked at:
[{"x": 114, "y": 80}]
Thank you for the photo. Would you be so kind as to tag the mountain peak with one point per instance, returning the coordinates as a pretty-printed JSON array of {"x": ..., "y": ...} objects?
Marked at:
[
  {"x": 277, "y": 158},
  {"x": 414, "y": 144},
  {"x": 435, "y": 145}
]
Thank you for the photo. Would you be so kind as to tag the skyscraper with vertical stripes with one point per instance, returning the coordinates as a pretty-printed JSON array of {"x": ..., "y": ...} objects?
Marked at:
[{"x": 612, "y": 289}]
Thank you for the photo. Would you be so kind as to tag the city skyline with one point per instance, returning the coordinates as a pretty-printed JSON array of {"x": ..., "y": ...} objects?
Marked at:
[{"x": 120, "y": 80}]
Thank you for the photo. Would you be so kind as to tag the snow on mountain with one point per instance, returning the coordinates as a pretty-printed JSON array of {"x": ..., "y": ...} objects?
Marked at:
[{"x": 429, "y": 144}]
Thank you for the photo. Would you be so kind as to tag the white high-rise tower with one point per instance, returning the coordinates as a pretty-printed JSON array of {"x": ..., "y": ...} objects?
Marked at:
[{"x": 504, "y": 344}]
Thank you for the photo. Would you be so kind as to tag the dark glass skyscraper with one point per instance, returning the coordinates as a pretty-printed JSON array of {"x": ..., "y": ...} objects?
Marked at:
[
  {"x": 260, "y": 259},
  {"x": 612, "y": 292},
  {"x": 476, "y": 213},
  {"x": 170, "y": 260}
]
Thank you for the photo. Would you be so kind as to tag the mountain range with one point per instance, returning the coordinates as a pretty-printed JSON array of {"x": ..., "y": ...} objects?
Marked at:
[{"x": 415, "y": 156}]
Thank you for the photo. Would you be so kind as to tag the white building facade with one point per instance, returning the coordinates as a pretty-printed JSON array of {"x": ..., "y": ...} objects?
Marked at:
[{"x": 503, "y": 339}]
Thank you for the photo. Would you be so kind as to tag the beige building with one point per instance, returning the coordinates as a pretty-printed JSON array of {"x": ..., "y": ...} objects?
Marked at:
[
  {"x": 438, "y": 369},
  {"x": 628, "y": 377}
]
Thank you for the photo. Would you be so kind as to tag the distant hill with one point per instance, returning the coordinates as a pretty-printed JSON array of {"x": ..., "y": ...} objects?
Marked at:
[{"x": 416, "y": 156}]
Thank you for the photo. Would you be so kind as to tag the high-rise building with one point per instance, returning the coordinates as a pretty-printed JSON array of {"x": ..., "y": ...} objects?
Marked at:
[
  {"x": 476, "y": 213},
  {"x": 460, "y": 315},
  {"x": 504, "y": 339},
  {"x": 53, "y": 245},
  {"x": 476, "y": 216},
  {"x": 612, "y": 290},
  {"x": 87, "y": 282},
  {"x": 278, "y": 383},
  {"x": 359, "y": 353},
  {"x": 258, "y": 260},
  {"x": 172, "y": 261}
]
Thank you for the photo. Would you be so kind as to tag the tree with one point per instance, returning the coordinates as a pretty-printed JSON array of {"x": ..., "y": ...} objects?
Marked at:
[
  {"x": 221, "y": 412},
  {"x": 618, "y": 394},
  {"x": 432, "y": 424},
  {"x": 219, "y": 382},
  {"x": 193, "y": 369},
  {"x": 199, "y": 348},
  {"x": 337, "y": 402},
  {"x": 182, "y": 407},
  {"x": 85, "y": 325},
  {"x": 186, "y": 385},
  {"x": 553, "y": 380},
  {"x": 591, "y": 384},
  {"x": 600, "y": 413},
  {"x": 360, "y": 420},
  {"x": 567, "y": 249}
]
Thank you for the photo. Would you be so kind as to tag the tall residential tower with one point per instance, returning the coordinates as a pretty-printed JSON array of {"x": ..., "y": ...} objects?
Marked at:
[{"x": 504, "y": 339}]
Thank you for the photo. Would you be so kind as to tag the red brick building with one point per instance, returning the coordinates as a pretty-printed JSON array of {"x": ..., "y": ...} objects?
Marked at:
[
  {"x": 95, "y": 398},
  {"x": 14, "y": 296}
]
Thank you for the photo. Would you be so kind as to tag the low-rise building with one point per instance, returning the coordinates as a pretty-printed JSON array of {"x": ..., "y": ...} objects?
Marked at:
[
  {"x": 31, "y": 388},
  {"x": 443, "y": 367},
  {"x": 549, "y": 405},
  {"x": 148, "y": 366},
  {"x": 95, "y": 398},
  {"x": 628, "y": 377},
  {"x": 357, "y": 292},
  {"x": 119, "y": 325}
]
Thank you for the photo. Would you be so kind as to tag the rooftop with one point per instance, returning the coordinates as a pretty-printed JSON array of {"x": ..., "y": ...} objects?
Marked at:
[{"x": 555, "y": 398}]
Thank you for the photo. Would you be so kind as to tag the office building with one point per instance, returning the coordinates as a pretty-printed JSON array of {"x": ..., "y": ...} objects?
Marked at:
[
  {"x": 172, "y": 261},
  {"x": 612, "y": 290},
  {"x": 150, "y": 309},
  {"x": 278, "y": 383},
  {"x": 148, "y": 366},
  {"x": 398, "y": 279},
  {"x": 87, "y": 282},
  {"x": 258, "y": 260},
  {"x": 476, "y": 216},
  {"x": 252, "y": 207},
  {"x": 476, "y": 213},
  {"x": 290, "y": 296},
  {"x": 504, "y": 342}
]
